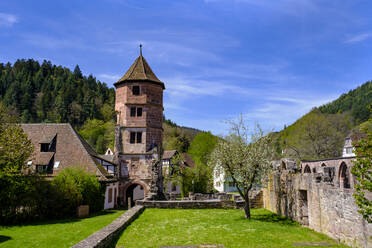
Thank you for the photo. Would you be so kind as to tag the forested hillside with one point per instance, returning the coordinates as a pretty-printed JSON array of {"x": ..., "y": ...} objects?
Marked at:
[
  {"x": 45, "y": 92},
  {"x": 50, "y": 93},
  {"x": 355, "y": 101},
  {"x": 321, "y": 133}
]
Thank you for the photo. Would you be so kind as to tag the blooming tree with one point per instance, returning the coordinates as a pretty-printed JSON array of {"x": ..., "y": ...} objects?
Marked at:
[{"x": 244, "y": 157}]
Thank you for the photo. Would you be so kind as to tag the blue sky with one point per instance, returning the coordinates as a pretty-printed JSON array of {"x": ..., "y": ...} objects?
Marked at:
[{"x": 271, "y": 60}]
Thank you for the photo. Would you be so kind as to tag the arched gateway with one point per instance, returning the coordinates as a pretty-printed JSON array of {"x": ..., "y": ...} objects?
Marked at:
[{"x": 139, "y": 109}]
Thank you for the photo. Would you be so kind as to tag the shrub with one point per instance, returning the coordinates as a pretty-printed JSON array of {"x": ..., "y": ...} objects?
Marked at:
[{"x": 74, "y": 187}]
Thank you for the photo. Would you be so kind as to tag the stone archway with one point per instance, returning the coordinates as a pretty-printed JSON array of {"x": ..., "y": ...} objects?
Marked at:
[
  {"x": 135, "y": 190},
  {"x": 344, "y": 177},
  {"x": 307, "y": 169}
]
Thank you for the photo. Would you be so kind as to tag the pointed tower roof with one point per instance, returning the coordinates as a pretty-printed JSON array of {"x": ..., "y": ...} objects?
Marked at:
[{"x": 139, "y": 71}]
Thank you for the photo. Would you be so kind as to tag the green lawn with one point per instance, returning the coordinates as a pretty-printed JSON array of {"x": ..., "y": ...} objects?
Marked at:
[
  {"x": 165, "y": 227},
  {"x": 58, "y": 233}
]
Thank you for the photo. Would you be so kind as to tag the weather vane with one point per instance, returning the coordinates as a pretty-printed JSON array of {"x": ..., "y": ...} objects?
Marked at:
[{"x": 141, "y": 49}]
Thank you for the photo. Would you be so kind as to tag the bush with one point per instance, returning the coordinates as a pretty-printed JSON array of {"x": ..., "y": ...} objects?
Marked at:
[
  {"x": 74, "y": 187},
  {"x": 27, "y": 198}
]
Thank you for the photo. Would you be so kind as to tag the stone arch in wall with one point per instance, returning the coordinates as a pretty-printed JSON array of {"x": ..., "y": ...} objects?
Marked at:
[
  {"x": 283, "y": 166},
  {"x": 134, "y": 190},
  {"x": 307, "y": 169},
  {"x": 344, "y": 176}
]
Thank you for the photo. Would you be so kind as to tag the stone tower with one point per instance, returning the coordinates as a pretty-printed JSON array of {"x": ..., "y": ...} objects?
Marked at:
[{"x": 139, "y": 109}]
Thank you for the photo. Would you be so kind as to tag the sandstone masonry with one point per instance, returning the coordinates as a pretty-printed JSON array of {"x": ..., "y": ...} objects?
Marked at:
[
  {"x": 139, "y": 132},
  {"x": 319, "y": 195}
]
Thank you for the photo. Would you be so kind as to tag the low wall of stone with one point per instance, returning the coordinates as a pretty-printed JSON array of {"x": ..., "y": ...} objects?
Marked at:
[
  {"x": 107, "y": 236},
  {"x": 198, "y": 204}
]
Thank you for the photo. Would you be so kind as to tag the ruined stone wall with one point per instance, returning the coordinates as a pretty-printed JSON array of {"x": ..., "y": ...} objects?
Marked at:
[{"x": 319, "y": 204}]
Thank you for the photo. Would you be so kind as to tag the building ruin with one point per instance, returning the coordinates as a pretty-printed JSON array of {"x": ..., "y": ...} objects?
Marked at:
[{"x": 319, "y": 194}]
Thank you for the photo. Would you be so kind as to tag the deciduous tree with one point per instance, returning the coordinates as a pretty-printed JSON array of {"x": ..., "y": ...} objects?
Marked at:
[
  {"x": 362, "y": 170},
  {"x": 244, "y": 157}
]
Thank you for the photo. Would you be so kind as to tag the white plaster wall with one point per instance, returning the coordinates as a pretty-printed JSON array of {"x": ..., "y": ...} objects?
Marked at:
[
  {"x": 169, "y": 188},
  {"x": 218, "y": 179},
  {"x": 112, "y": 186},
  {"x": 138, "y": 193}
]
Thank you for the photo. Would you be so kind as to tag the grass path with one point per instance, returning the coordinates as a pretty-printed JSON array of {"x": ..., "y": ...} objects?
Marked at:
[
  {"x": 58, "y": 233},
  {"x": 165, "y": 227}
]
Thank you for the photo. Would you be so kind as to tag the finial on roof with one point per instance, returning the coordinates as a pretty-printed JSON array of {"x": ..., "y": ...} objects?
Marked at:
[{"x": 140, "y": 49}]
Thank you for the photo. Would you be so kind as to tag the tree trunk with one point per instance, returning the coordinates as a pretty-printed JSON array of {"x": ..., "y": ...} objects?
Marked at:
[{"x": 247, "y": 208}]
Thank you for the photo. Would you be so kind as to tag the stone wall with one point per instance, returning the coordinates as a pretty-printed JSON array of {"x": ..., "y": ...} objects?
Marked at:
[
  {"x": 314, "y": 201},
  {"x": 189, "y": 204},
  {"x": 198, "y": 204},
  {"x": 107, "y": 236}
]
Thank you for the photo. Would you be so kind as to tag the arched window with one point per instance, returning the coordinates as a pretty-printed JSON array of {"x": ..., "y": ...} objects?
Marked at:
[
  {"x": 323, "y": 165},
  {"x": 344, "y": 177},
  {"x": 307, "y": 169}
]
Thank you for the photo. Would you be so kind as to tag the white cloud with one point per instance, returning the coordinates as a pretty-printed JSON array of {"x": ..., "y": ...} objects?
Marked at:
[
  {"x": 108, "y": 77},
  {"x": 358, "y": 38},
  {"x": 276, "y": 112},
  {"x": 163, "y": 51},
  {"x": 7, "y": 20},
  {"x": 291, "y": 7}
]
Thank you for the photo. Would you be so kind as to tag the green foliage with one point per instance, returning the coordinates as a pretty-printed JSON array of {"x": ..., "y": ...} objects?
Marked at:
[
  {"x": 334, "y": 121},
  {"x": 362, "y": 171},
  {"x": 202, "y": 146},
  {"x": 245, "y": 157},
  {"x": 99, "y": 134},
  {"x": 50, "y": 93},
  {"x": 176, "y": 137},
  {"x": 316, "y": 136},
  {"x": 15, "y": 188},
  {"x": 200, "y": 150},
  {"x": 15, "y": 147},
  {"x": 176, "y": 173},
  {"x": 357, "y": 101},
  {"x": 75, "y": 187},
  {"x": 178, "y": 142}
]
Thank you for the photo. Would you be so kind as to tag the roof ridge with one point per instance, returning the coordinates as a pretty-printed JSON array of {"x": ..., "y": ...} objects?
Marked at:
[
  {"x": 84, "y": 148},
  {"x": 140, "y": 70},
  {"x": 132, "y": 67},
  {"x": 44, "y": 123}
]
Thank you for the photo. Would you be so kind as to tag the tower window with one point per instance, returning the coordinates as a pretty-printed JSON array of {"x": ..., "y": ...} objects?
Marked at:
[
  {"x": 136, "y": 90},
  {"x": 133, "y": 111},
  {"x": 135, "y": 137},
  {"x": 132, "y": 137}
]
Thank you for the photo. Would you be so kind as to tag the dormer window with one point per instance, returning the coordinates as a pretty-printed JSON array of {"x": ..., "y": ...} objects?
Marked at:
[
  {"x": 136, "y": 90},
  {"x": 44, "y": 147}
]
